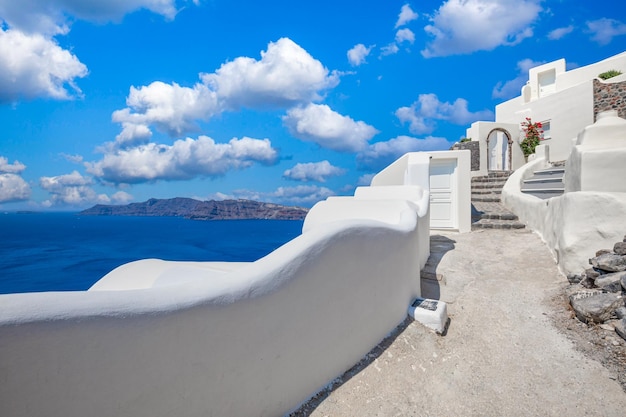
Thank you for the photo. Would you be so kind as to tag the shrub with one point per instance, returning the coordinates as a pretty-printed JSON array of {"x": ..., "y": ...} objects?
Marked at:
[
  {"x": 609, "y": 74},
  {"x": 465, "y": 140},
  {"x": 532, "y": 136}
]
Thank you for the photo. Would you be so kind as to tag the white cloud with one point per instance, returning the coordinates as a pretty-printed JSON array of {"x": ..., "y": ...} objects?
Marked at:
[
  {"x": 33, "y": 66},
  {"x": 405, "y": 35},
  {"x": 329, "y": 129},
  {"x": 365, "y": 179},
  {"x": 121, "y": 197},
  {"x": 170, "y": 107},
  {"x": 71, "y": 189},
  {"x": 75, "y": 159},
  {"x": 301, "y": 195},
  {"x": 604, "y": 30},
  {"x": 379, "y": 155},
  {"x": 15, "y": 168},
  {"x": 12, "y": 186},
  {"x": 286, "y": 75},
  {"x": 357, "y": 55},
  {"x": 558, "y": 33},
  {"x": 132, "y": 134},
  {"x": 422, "y": 113},
  {"x": 406, "y": 15},
  {"x": 313, "y": 171},
  {"x": 184, "y": 159},
  {"x": 512, "y": 88},
  {"x": 465, "y": 26},
  {"x": 51, "y": 16},
  {"x": 390, "y": 49}
]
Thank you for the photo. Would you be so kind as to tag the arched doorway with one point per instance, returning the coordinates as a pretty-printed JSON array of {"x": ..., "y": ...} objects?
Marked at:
[{"x": 499, "y": 150}]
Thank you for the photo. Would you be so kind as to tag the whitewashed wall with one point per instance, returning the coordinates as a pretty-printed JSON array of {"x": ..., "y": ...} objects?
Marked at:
[
  {"x": 257, "y": 339},
  {"x": 591, "y": 215},
  {"x": 569, "y": 108}
]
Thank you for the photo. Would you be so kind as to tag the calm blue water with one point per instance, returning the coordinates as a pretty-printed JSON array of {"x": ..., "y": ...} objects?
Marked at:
[{"x": 63, "y": 251}]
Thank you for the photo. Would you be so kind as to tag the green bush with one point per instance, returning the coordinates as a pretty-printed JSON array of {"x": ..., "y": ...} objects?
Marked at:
[
  {"x": 465, "y": 140},
  {"x": 610, "y": 74}
]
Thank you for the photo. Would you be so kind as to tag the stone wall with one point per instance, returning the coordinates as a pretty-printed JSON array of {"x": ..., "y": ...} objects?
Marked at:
[
  {"x": 609, "y": 96},
  {"x": 474, "y": 147}
]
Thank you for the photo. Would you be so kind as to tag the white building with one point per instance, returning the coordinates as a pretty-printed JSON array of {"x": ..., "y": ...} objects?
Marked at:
[{"x": 565, "y": 102}]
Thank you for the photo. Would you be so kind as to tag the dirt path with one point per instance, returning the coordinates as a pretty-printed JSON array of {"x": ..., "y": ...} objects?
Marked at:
[{"x": 506, "y": 353}]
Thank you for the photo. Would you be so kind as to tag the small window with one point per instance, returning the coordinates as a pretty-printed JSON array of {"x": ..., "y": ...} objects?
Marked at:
[{"x": 545, "y": 126}]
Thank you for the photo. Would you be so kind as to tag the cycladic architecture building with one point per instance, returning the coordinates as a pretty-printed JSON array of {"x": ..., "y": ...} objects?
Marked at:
[
  {"x": 565, "y": 102},
  {"x": 584, "y": 132}
]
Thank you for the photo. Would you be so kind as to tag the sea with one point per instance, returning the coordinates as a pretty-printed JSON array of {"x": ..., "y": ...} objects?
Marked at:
[{"x": 70, "y": 252}]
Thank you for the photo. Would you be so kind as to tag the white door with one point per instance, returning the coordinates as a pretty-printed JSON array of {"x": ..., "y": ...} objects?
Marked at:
[{"x": 443, "y": 194}]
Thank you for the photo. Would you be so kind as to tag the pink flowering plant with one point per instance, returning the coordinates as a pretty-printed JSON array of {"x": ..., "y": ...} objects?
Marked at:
[{"x": 532, "y": 136}]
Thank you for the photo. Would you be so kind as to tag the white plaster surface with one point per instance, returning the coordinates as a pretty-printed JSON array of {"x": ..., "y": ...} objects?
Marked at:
[
  {"x": 412, "y": 168},
  {"x": 597, "y": 161},
  {"x": 575, "y": 225},
  {"x": 156, "y": 338}
]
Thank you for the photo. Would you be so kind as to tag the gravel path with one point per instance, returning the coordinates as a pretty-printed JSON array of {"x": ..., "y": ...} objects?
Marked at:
[{"x": 512, "y": 348}]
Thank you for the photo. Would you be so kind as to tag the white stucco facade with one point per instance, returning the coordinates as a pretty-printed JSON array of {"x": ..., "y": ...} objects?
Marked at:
[
  {"x": 156, "y": 338},
  {"x": 563, "y": 101}
]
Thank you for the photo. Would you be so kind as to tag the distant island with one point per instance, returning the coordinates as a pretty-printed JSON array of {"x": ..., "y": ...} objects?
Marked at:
[{"x": 190, "y": 208}]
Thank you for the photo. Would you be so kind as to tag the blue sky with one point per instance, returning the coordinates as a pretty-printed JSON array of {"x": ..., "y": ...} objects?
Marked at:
[{"x": 115, "y": 101}]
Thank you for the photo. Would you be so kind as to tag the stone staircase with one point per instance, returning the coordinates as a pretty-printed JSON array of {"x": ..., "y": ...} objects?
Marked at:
[
  {"x": 487, "y": 210},
  {"x": 545, "y": 183}
]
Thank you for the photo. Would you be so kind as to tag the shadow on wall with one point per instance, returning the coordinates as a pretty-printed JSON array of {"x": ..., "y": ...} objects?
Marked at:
[
  {"x": 308, "y": 408},
  {"x": 431, "y": 280}
]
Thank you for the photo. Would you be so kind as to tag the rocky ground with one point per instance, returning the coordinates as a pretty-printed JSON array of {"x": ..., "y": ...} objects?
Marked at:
[{"x": 599, "y": 342}]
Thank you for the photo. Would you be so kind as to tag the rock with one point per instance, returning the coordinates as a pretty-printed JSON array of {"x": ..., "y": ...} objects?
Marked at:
[
  {"x": 620, "y": 328},
  {"x": 592, "y": 273},
  {"x": 588, "y": 282},
  {"x": 609, "y": 262},
  {"x": 621, "y": 313},
  {"x": 594, "y": 306},
  {"x": 574, "y": 278},
  {"x": 611, "y": 282},
  {"x": 620, "y": 248},
  {"x": 602, "y": 252}
]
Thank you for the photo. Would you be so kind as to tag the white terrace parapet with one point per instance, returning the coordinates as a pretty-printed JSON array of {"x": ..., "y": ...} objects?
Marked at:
[{"x": 157, "y": 338}]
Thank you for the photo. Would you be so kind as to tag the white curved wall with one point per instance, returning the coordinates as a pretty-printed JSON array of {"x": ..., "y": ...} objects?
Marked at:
[
  {"x": 256, "y": 340},
  {"x": 575, "y": 225}
]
